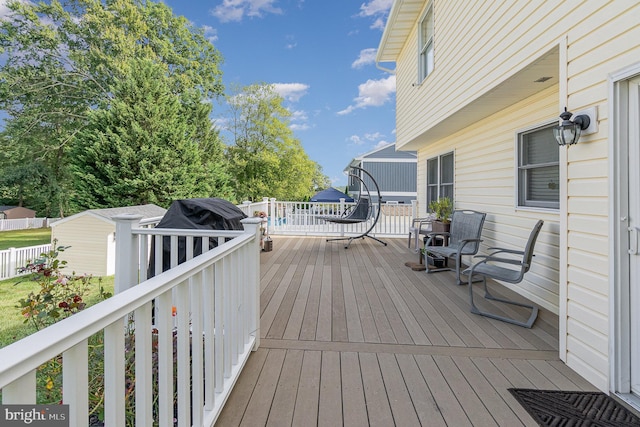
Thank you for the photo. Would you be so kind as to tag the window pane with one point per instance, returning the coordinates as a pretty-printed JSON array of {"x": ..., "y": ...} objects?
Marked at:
[
  {"x": 432, "y": 194},
  {"x": 432, "y": 171},
  {"x": 426, "y": 29},
  {"x": 447, "y": 191},
  {"x": 539, "y": 147},
  {"x": 543, "y": 184},
  {"x": 539, "y": 172},
  {"x": 446, "y": 173}
]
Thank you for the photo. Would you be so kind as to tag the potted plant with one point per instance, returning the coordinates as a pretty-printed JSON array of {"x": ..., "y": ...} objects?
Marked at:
[{"x": 442, "y": 209}]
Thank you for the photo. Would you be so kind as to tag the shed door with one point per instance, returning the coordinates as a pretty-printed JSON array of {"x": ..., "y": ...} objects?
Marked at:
[{"x": 634, "y": 230}]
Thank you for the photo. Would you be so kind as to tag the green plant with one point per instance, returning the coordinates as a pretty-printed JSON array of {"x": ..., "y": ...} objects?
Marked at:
[
  {"x": 442, "y": 208},
  {"x": 59, "y": 295}
]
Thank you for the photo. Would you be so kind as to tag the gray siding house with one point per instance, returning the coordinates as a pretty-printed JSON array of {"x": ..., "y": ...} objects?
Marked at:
[{"x": 394, "y": 171}]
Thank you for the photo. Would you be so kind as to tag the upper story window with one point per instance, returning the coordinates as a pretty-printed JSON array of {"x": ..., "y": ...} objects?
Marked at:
[
  {"x": 425, "y": 41},
  {"x": 440, "y": 177},
  {"x": 538, "y": 169}
]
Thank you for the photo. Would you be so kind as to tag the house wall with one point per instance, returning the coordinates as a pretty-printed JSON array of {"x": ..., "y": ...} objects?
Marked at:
[
  {"x": 478, "y": 45},
  {"x": 88, "y": 238},
  {"x": 485, "y": 180}
]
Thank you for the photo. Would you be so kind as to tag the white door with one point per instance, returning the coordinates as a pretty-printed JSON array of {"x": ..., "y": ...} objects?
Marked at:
[{"x": 634, "y": 230}]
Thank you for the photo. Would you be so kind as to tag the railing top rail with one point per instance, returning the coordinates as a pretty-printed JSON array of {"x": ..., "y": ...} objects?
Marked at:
[
  {"x": 185, "y": 232},
  {"x": 27, "y": 354}
]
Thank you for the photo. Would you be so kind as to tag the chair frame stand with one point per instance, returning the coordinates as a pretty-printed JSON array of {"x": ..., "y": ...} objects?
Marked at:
[
  {"x": 475, "y": 310},
  {"x": 345, "y": 219},
  {"x": 510, "y": 275}
]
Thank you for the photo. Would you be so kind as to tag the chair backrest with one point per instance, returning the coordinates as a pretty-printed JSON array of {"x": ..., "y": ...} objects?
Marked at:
[
  {"x": 466, "y": 224},
  {"x": 361, "y": 211},
  {"x": 528, "y": 249}
]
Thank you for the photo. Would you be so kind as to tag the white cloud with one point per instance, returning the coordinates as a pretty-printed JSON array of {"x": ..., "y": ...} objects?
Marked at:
[
  {"x": 372, "y": 93},
  {"x": 378, "y": 9},
  {"x": 378, "y": 24},
  {"x": 367, "y": 56},
  {"x": 356, "y": 140},
  {"x": 375, "y": 7},
  {"x": 373, "y": 136},
  {"x": 381, "y": 143},
  {"x": 235, "y": 10},
  {"x": 291, "y": 92},
  {"x": 210, "y": 33},
  {"x": 301, "y": 126}
]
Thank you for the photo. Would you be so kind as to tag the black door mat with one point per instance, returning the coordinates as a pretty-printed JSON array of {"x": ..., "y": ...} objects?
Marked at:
[{"x": 574, "y": 408}]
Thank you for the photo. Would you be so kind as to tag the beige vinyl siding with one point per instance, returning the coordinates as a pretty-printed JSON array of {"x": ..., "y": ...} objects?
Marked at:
[
  {"x": 476, "y": 48},
  {"x": 88, "y": 238},
  {"x": 485, "y": 169},
  {"x": 597, "y": 46}
]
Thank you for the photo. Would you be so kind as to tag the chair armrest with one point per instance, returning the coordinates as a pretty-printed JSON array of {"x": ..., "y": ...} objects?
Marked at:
[
  {"x": 489, "y": 258},
  {"x": 505, "y": 250},
  {"x": 421, "y": 221}
]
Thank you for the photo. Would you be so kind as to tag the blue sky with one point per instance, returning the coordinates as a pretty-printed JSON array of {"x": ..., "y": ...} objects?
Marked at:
[{"x": 319, "y": 55}]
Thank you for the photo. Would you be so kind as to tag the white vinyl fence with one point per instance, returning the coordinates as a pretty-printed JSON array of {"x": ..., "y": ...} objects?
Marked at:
[
  {"x": 24, "y": 223},
  {"x": 12, "y": 259}
]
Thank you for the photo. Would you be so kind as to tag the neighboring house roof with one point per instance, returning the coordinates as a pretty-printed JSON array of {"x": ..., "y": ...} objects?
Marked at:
[
  {"x": 387, "y": 152},
  {"x": 107, "y": 214},
  {"x": 8, "y": 208},
  {"x": 330, "y": 195}
]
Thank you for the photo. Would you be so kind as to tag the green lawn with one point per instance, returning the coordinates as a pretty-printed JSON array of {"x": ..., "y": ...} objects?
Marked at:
[
  {"x": 24, "y": 238},
  {"x": 12, "y": 327}
]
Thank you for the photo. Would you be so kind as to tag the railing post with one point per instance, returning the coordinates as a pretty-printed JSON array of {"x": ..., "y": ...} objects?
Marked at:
[
  {"x": 252, "y": 225},
  {"x": 414, "y": 209},
  {"x": 126, "y": 252},
  {"x": 13, "y": 268},
  {"x": 273, "y": 214}
]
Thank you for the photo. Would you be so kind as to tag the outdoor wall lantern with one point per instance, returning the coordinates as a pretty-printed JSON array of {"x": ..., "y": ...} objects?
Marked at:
[{"x": 569, "y": 131}]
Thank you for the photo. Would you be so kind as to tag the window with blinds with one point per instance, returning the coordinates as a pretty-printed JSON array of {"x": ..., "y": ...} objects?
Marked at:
[
  {"x": 538, "y": 169},
  {"x": 440, "y": 177}
]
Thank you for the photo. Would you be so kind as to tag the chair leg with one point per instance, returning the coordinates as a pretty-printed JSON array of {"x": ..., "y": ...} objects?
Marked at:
[{"x": 475, "y": 310}]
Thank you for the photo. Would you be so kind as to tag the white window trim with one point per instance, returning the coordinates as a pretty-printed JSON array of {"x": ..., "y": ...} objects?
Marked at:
[
  {"x": 439, "y": 157},
  {"x": 422, "y": 73},
  {"x": 516, "y": 183}
]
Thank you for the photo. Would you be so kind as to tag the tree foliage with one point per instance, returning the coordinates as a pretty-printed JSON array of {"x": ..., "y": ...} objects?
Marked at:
[
  {"x": 140, "y": 150},
  {"x": 63, "y": 61},
  {"x": 265, "y": 159}
]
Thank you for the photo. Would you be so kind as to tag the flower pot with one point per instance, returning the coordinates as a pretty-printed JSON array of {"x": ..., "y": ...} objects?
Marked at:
[{"x": 440, "y": 227}]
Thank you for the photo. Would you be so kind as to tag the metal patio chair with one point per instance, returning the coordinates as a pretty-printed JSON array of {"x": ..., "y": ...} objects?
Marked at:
[
  {"x": 463, "y": 238},
  {"x": 419, "y": 227},
  {"x": 496, "y": 267}
]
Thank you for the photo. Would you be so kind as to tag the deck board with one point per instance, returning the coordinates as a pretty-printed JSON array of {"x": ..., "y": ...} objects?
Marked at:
[{"x": 353, "y": 337}]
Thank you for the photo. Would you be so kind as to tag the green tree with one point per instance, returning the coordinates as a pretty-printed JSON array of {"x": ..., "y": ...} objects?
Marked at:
[
  {"x": 63, "y": 58},
  {"x": 139, "y": 149},
  {"x": 265, "y": 159}
]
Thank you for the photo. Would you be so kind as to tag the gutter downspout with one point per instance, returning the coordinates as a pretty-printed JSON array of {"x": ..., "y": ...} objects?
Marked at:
[{"x": 388, "y": 70}]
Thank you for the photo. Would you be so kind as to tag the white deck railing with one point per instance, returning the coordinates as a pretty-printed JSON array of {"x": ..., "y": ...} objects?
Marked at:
[
  {"x": 214, "y": 296},
  {"x": 12, "y": 259},
  {"x": 304, "y": 218}
]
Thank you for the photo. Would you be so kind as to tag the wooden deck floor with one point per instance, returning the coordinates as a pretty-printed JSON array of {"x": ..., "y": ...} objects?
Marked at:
[{"x": 353, "y": 337}]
